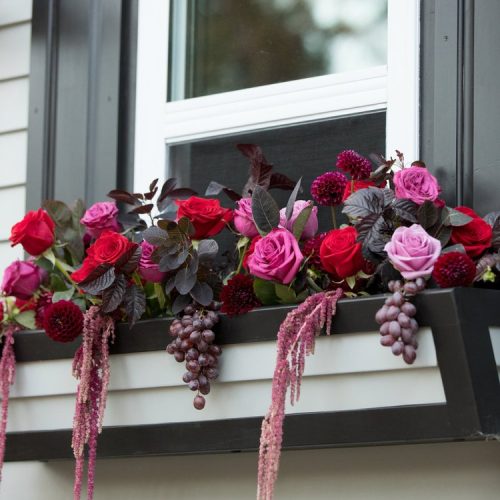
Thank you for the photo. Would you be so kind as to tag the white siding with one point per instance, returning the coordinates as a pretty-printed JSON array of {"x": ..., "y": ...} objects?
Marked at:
[
  {"x": 456, "y": 471},
  {"x": 15, "y": 37}
]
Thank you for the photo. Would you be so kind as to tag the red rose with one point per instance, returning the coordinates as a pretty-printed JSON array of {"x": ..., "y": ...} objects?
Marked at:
[
  {"x": 109, "y": 247},
  {"x": 474, "y": 236},
  {"x": 340, "y": 253},
  {"x": 350, "y": 188},
  {"x": 206, "y": 215},
  {"x": 35, "y": 232}
]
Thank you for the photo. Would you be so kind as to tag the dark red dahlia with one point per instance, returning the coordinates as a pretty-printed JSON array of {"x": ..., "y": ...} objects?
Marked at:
[
  {"x": 238, "y": 296},
  {"x": 454, "y": 269},
  {"x": 328, "y": 189},
  {"x": 63, "y": 321},
  {"x": 358, "y": 166},
  {"x": 311, "y": 250},
  {"x": 44, "y": 301}
]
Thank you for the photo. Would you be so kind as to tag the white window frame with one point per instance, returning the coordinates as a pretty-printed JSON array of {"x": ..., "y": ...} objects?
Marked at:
[{"x": 394, "y": 87}]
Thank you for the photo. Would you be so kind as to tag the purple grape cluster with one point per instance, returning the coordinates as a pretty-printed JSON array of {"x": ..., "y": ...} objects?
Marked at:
[
  {"x": 194, "y": 343},
  {"x": 398, "y": 326}
]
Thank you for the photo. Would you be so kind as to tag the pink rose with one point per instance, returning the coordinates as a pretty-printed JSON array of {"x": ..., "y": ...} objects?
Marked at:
[
  {"x": 276, "y": 256},
  {"x": 243, "y": 218},
  {"x": 416, "y": 184},
  {"x": 413, "y": 252},
  {"x": 99, "y": 217},
  {"x": 22, "y": 279},
  {"x": 311, "y": 227},
  {"x": 148, "y": 269}
]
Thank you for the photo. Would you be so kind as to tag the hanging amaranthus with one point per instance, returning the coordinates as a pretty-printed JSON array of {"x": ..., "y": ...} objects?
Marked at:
[
  {"x": 7, "y": 375},
  {"x": 91, "y": 368},
  {"x": 296, "y": 338}
]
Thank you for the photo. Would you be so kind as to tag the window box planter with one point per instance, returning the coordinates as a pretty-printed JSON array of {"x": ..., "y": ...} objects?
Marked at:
[{"x": 354, "y": 391}]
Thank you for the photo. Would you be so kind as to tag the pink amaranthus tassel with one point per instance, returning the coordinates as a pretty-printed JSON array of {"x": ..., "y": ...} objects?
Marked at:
[
  {"x": 296, "y": 338},
  {"x": 7, "y": 376},
  {"x": 91, "y": 368}
]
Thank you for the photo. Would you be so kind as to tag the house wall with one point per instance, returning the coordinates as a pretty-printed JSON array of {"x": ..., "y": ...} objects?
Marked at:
[{"x": 15, "y": 36}]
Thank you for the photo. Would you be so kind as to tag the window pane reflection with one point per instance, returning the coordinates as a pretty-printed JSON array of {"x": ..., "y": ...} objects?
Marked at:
[{"x": 223, "y": 45}]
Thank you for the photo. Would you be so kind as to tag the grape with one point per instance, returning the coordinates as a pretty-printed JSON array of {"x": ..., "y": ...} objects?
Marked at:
[
  {"x": 193, "y": 343},
  {"x": 410, "y": 288},
  {"x": 199, "y": 402},
  {"x": 392, "y": 313},
  {"x": 398, "y": 299},
  {"x": 384, "y": 328},
  {"x": 397, "y": 348},
  {"x": 404, "y": 320},
  {"x": 387, "y": 340},
  {"x": 420, "y": 282},
  {"x": 406, "y": 335},
  {"x": 409, "y": 354},
  {"x": 409, "y": 309},
  {"x": 381, "y": 316},
  {"x": 394, "y": 329}
]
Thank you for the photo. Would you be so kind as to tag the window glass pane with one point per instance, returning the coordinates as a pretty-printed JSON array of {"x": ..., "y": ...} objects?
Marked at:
[
  {"x": 223, "y": 45},
  {"x": 305, "y": 150}
]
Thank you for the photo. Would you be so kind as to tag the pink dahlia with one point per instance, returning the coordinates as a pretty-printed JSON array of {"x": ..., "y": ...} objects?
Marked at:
[
  {"x": 328, "y": 189},
  {"x": 358, "y": 166}
]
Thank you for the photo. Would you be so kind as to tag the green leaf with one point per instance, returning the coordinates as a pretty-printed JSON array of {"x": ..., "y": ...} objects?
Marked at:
[
  {"x": 49, "y": 255},
  {"x": 265, "y": 211},
  {"x": 265, "y": 291},
  {"x": 301, "y": 221},
  {"x": 26, "y": 319},
  {"x": 159, "y": 294},
  {"x": 351, "y": 281},
  {"x": 59, "y": 212},
  {"x": 427, "y": 214},
  {"x": 455, "y": 218},
  {"x": 242, "y": 242},
  {"x": 285, "y": 294},
  {"x": 63, "y": 295},
  {"x": 291, "y": 200},
  {"x": 454, "y": 248}
]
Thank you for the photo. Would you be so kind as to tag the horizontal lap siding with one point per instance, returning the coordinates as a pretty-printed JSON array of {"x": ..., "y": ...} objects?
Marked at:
[{"x": 15, "y": 38}]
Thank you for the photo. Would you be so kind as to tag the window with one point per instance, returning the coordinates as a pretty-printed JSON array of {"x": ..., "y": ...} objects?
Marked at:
[{"x": 202, "y": 95}]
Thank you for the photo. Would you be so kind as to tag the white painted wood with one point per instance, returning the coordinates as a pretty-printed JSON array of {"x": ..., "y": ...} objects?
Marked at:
[
  {"x": 146, "y": 388},
  {"x": 8, "y": 254},
  {"x": 15, "y": 50},
  {"x": 14, "y": 105},
  {"x": 146, "y": 370},
  {"x": 446, "y": 471},
  {"x": 13, "y": 158},
  {"x": 403, "y": 72},
  {"x": 12, "y": 203},
  {"x": 15, "y": 11}
]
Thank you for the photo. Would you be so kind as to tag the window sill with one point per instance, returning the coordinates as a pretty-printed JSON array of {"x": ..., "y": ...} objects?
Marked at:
[{"x": 355, "y": 392}]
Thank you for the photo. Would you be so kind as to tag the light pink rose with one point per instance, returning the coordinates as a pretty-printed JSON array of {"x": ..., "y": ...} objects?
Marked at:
[
  {"x": 21, "y": 279},
  {"x": 311, "y": 227},
  {"x": 413, "y": 252},
  {"x": 416, "y": 184},
  {"x": 243, "y": 218},
  {"x": 148, "y": 269},
  {"x": 99, "y": 217},
  {"x": 276, "y": 257}
]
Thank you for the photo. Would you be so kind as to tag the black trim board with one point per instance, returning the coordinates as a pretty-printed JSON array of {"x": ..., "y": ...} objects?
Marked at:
[{"x": 459, "y": 319}]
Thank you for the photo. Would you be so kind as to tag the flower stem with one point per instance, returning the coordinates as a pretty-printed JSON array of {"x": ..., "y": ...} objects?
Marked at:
[
  {"x": 59, "y": 265},
  {"x": 334, "y": 217}
]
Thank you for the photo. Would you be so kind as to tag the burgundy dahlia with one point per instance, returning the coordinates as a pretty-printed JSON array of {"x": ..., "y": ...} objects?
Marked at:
[
  {"x": 454, "y": 269},
  {"x": 358, "y": 166},
  {"x": 44, "y": 301},
  {"x": 63, "y": 321},
  {"x": 311, "y": 248},
  {"x": 238, "y": 296},
  {"x": 328, "y": 189}
]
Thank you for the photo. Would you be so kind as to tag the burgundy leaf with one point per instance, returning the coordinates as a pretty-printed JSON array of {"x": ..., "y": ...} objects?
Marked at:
[
  {"x": 182, "y": 192},
  {"x": 124, "y": 196},
  {"x": 281, "y": 181},
  {"x": 135, "y": 304},
  {"x": 99, "y": 284},
  {"x": 153, "y": 185},
  {"x": 113, "y": 295},
  {"x": 151, "y": 194},
  {"x": 143, "y": 209},
  {"x": 168, "y": 186}
]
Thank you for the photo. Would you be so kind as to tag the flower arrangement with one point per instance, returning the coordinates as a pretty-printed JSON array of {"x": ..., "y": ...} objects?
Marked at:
[{"x": 157, "y": 256}]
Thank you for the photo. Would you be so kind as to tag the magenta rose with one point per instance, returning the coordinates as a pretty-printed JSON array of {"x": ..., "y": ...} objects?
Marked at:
[
  {"x": 413, "y": 252},
  {"x": 148, "y": 269},
  {"x": 21, "y": 279},
  {"x": 416, "y": 184},
  {"x": 99, "y": 217},
  {"x": 243, "y": 218},
  {"x": 311, "y": 227},
  {"x": 276, "y": 257}
]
